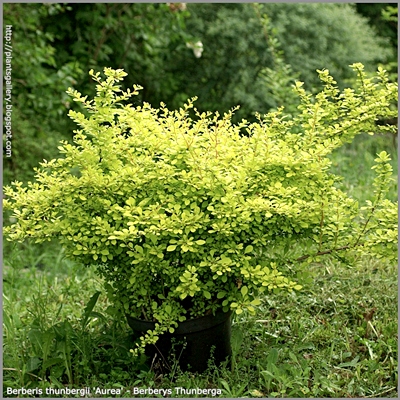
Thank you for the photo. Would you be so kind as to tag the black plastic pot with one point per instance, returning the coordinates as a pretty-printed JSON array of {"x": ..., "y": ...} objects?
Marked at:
[{"x": 192, "y": 344}]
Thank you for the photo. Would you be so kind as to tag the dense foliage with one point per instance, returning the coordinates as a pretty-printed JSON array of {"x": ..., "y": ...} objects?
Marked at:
[
  {"x": 39, "y": 82},
  {"x": 185, "y": 216},
  {"x": 238, "y": 46},
  {"x": 54, "y": 44}
]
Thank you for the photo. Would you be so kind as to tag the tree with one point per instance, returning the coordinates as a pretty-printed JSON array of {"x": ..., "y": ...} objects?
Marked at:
[
  {"x": 39, "y": 83},
  {"x": 236, "y": 50},
  {"x": 140, "y": 38}
]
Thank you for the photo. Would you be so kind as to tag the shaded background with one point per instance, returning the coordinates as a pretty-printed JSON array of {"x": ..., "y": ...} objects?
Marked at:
[{"x": 251, "y": 55}]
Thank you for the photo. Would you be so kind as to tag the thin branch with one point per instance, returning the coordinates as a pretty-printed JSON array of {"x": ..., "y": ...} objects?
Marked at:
[{"x": 322, "y": 253}]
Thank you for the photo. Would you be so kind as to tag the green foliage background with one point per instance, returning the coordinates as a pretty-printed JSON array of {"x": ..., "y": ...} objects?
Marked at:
[
  {"x": 238, "y": 49},
  {"x": 252, "y": 53},
  {"x": 254, "y": 60}
]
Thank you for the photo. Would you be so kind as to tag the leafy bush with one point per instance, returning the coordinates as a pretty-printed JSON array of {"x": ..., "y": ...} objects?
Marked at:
[
  {"x": 39, "y": 83},
  {"x": 337, "y": 37},
  {"x": 237, "y": 50},
  {"x": 188, "y": 216},
  {"x": 54, "y": 41},
  {"x": 239, "y": 64}
]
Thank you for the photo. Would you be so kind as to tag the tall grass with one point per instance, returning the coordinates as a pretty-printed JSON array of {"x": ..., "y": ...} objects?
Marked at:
[{"x": 355, "y": 160}]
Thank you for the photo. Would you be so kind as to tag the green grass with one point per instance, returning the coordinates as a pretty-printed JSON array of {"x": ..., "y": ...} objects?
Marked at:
[
  {"x": 335, "y": 338},
  {"x": 319, "y": 342},
  {"x": 354, "y": 161}
]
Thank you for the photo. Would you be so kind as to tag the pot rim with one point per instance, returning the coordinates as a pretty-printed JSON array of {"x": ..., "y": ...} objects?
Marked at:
[{"x": 189, "y": 326}]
